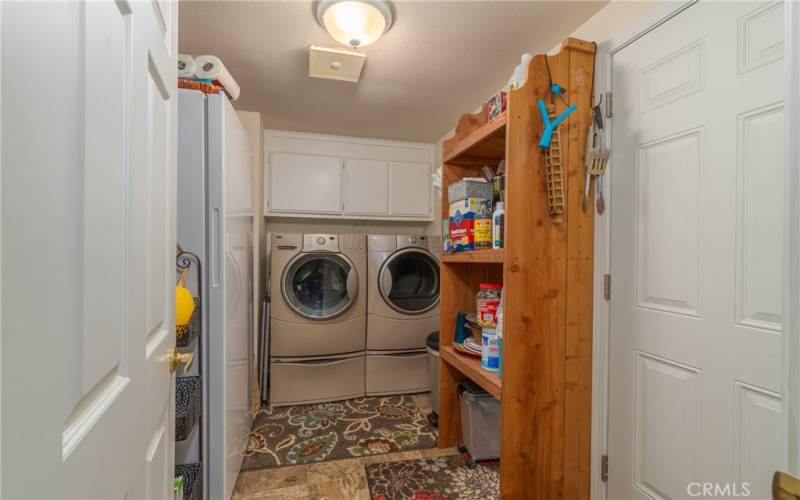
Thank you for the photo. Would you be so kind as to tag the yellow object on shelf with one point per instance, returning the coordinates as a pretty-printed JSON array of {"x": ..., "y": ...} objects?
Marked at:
[{"x": 184, "y": 302}]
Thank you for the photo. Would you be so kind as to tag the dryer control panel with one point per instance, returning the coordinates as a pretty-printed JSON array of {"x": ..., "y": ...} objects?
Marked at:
[{"x": 412, "y": 240}]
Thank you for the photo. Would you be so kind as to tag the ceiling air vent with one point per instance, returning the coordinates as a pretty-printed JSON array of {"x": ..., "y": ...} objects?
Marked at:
[{"x": 335, "y": 64}]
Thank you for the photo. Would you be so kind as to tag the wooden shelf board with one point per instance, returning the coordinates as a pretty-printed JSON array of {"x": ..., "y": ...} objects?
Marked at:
[
  {"x": 471, "y": 368},
  {"x": 488, "y": 141},
  {"x": 494, "y": 256}
]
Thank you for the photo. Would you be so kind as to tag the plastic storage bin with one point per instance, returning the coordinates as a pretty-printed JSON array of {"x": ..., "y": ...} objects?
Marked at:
[
  {"x": 480, "y": 421},
  {"x": 432, "y": 343}
]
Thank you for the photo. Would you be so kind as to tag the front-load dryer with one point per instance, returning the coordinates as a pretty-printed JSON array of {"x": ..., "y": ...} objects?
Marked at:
[
  {"x": 317, "y": 317},
  {"x": 402, "y": 310}
]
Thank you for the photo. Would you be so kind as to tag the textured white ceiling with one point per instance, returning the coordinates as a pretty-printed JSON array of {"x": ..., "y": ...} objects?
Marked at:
[{"x": 439, "y": 60}]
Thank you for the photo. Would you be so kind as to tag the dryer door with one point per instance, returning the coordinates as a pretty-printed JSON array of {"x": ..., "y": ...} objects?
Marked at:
[
  {"x": 319, "y": 285},
  {"x": 409, "y": 281}
]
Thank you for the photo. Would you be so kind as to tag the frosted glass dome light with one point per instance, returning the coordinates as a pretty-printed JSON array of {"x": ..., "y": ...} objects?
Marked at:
[{"x": 356, "y": 23}]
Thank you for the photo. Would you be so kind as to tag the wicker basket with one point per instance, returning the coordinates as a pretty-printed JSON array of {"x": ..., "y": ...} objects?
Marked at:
[
  {"x": 185, "y": 334},
  {"x": 465, "y": 188}
]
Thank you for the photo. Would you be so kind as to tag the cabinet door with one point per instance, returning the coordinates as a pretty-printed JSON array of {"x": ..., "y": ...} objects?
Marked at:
[
  {"x": 238, "y": 160},
  {"x": 367, "y": 187},
  {"x": 410, "y": 189},
  {"x": 305, "y": 183}
]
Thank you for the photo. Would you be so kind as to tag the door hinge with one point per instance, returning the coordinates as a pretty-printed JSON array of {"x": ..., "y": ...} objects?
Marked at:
[
  {"x": 607, "y": 286},
  {"x": 604, "y": 469},
  {"x": 609, "y": 105}
]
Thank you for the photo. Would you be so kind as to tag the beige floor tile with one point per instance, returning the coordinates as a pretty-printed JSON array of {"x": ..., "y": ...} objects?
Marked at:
[
  {"x": 438, "y": 452},
  {"x": 260, "y": 481},
  {"x": 297, "y": 492},
  {"x": 338, "y": 480},
  {"x": 392, "y": 457},
  {"x": 325, "y": 470}
]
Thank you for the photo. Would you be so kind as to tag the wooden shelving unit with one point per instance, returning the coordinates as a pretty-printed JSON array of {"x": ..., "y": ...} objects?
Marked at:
[
  {"x": 471, "y": 367},
  {"x": 482, "y": 140},
  {"x": 486, "y": 256},
  {"x": 546, "y": 268}
]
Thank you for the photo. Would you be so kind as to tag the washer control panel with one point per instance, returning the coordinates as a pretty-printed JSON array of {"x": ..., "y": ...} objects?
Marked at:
[{"x": 320, "y": 242}]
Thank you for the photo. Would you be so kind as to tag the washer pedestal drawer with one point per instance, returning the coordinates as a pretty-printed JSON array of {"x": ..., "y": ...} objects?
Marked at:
[
  {"x": 323, "y": 338},
  {"x": 402, "y": 373},
  {"x": 315, "y": 381}
]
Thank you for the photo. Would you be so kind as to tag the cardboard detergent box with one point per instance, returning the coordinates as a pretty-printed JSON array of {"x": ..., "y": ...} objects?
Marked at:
[{"x": 461, "y": 231}]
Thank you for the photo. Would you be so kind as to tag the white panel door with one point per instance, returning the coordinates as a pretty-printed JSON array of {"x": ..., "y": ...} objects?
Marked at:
[
  {"x": 305, "y": 183},
  {"x": 366, "y": 187},
  {"x": 410, "y": 189},
  {"x": 88, "y": 254},
  {"x": 696, "y": 255}
]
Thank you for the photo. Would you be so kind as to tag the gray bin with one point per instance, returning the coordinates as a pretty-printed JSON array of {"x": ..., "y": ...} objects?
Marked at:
[
  {"x": 480, "y": 421},
  {"x": 432, "y": 343}
]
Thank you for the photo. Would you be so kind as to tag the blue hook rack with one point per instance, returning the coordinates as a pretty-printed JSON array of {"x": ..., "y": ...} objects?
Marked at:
[{"x": 549, "y": 127}]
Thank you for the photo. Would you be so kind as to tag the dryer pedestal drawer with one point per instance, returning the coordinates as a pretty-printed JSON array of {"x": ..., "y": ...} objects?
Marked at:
[
  {"x": 389, "y": 334},
  {"x": 397, "y": 373},
  {"x": 316, "y": 381}
]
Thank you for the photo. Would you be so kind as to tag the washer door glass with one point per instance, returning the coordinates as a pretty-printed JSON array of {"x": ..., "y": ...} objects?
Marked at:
[
  {"x": 319, "y": 286},
  {"x": 409, "y": 281}
]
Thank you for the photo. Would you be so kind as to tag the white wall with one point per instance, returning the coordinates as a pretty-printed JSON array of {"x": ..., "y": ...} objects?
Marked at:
[{"x": 613, "y": 18}]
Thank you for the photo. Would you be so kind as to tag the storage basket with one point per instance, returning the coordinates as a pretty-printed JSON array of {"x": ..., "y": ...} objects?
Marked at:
[{"x": 467, "y": 188}]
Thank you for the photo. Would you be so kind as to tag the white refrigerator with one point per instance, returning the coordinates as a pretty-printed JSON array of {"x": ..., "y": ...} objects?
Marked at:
[{"x": 215, "y": 221}]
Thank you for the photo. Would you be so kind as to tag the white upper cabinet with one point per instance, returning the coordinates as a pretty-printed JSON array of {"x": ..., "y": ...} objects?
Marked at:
[
  {"x": 406, "y": 194},
  {"x": 304, "y": 183},
  {"x": 312, "y": 175},
  {"x": 366, "y": 187}
]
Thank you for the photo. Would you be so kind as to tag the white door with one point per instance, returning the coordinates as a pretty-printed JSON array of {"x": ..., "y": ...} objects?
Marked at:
[
  {"x": 409, "y": 189},
  {"x": 88, "y": 248},
  {"x": 696, "y": 256},
  {"x": 305, "y": 183},
  {"x": 366, "y": 187}
]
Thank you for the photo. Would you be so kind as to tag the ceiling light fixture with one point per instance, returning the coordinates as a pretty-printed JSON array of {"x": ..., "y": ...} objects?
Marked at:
[{"x": 356, "y": 23}]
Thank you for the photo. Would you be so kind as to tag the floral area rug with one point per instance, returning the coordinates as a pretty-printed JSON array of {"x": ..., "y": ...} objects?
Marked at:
[
  {"x": 345, "y": 429},
  {"x": 439, "y": 478}
]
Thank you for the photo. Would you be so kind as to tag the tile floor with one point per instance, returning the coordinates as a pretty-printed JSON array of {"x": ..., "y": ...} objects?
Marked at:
[{"x": 333, "y": 480}]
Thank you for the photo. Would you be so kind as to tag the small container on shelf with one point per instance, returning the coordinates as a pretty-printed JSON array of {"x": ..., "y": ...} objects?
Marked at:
[
  {"x": 483, "y": 228},
  {"x": 499, "y": 330},
  {"x": 461, "y": 229},
  {"x": 488, "y": 300},
  {"x": 497, "y": 104},
  {"x": 498, "y": 225},
  {"x": 490, "y": 358}
]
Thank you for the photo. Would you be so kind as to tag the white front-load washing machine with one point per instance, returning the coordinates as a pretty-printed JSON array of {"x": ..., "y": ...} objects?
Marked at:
[
  {"x": 317, "y": 317},
  {"x": 402, "y": 310}
]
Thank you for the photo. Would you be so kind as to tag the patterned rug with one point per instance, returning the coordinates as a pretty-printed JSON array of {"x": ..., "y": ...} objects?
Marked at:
[
  {"x": 440, "y": 478},
  {"x": 328, "y": 431}
]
